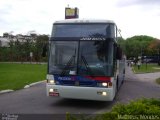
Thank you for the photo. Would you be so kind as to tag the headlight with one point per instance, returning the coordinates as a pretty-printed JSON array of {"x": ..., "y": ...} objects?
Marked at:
[
  {"x": 51, "y": 90},
  {"x": 51, "y": 81},
  {"x": 50, "y": 77},
  {"x": 104, "y": 84},
  {"x": 104, "y": 93}
]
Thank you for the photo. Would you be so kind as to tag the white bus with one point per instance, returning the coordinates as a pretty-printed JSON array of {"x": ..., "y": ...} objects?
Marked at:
[{"x": 85, "y": 61}]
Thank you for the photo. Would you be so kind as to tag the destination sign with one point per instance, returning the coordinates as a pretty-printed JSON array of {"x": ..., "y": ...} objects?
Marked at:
[
  {"x": 77, "y": 38},
  {"x": 71, "y": 13},
  {"x": 89, "y": 38}
]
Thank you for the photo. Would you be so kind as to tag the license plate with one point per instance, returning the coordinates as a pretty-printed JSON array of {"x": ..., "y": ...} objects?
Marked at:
[{"x": 53, "y": 94}]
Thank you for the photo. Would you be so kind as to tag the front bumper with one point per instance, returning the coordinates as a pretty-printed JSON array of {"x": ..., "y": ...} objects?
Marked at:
[{"x": 77, "y": 92}]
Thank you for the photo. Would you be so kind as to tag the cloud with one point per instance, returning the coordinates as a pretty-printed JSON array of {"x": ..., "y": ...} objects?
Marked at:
[
  {"x": 127, "y": 3},
  {"x": 132, "y": 16},
  {"x": 23, "y": 15}
]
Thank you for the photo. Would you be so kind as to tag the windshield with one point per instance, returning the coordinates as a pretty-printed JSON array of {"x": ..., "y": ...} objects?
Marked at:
[
  {"x": 97, "y": 56},
  {"x": 62, "y": 57},
  {"x": 83, "y": 30},
  {"x": 93, "y": 58}
]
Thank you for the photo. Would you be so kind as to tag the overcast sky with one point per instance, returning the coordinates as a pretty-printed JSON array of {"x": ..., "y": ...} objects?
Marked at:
[{"x": 133, "y": 17}]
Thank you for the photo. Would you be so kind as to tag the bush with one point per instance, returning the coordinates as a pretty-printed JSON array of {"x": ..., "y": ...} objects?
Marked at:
[{"x": 139, "y": 109}]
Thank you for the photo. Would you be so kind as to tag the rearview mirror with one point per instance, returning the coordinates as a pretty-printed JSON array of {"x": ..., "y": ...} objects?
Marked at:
[{"x": 119, "y": 53}]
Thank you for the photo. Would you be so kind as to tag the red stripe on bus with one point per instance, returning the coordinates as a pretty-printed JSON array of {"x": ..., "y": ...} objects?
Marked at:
[{"x": 99, "y": 78}]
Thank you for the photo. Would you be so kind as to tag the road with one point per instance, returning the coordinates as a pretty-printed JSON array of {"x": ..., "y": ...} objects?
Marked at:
[{"x": 34, "y": 101}]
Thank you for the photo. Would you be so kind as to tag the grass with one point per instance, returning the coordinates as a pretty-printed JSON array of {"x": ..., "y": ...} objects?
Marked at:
[
  {"x": 147, "y": 69},
  {"x": 158, "y": 81},
  {"x": 16, "y": 76}
]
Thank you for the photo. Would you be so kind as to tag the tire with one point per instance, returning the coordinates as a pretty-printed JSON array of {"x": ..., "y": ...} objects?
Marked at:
[{"x": 116, "y": 90}]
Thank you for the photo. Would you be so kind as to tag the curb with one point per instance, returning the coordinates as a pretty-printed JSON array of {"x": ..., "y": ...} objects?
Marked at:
[
  {"x": 32, "y": 84},
  {"x": 6, "y": 91},
  {"x": 25, "y": 87}
]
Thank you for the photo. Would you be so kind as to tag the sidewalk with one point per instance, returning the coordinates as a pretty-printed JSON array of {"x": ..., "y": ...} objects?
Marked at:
[
  {"x": 137, "y": 86},
  {"x": 144, "y": 77},
  {"x": 148, "y": 77}
]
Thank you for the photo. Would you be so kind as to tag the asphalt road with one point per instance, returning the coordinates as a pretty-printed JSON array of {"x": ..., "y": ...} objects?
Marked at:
[{"x": 33, "y": 100}]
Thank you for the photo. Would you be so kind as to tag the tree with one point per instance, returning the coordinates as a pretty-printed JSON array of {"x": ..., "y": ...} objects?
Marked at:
[
  {"x": 138, "y": 45},
  {"x": 121, "y": 42},
  {"x": 19, "y": 49},
  {"x": 154, "y": 47},
  {"x": 41, "y": 45},
  {"x": 11, "y": 50}
]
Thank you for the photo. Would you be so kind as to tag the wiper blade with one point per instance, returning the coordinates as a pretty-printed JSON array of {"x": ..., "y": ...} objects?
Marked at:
[
  {"x": 68, "y": 65},
  {"x": 86, "y": 64}
]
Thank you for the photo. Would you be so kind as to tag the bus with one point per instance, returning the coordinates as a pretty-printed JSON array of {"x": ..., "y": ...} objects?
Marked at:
[{"x": 85, "y": 61}]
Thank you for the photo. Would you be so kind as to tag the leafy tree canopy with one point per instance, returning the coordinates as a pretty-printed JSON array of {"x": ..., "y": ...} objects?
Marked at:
[{"x": 137, "y": 45}]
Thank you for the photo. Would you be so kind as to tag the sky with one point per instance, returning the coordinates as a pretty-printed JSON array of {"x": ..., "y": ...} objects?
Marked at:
[{"x": 133, "y": 17}]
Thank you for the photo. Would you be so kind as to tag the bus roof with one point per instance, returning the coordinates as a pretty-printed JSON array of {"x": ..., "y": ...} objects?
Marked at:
[{"x": 83, "y": 21}]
